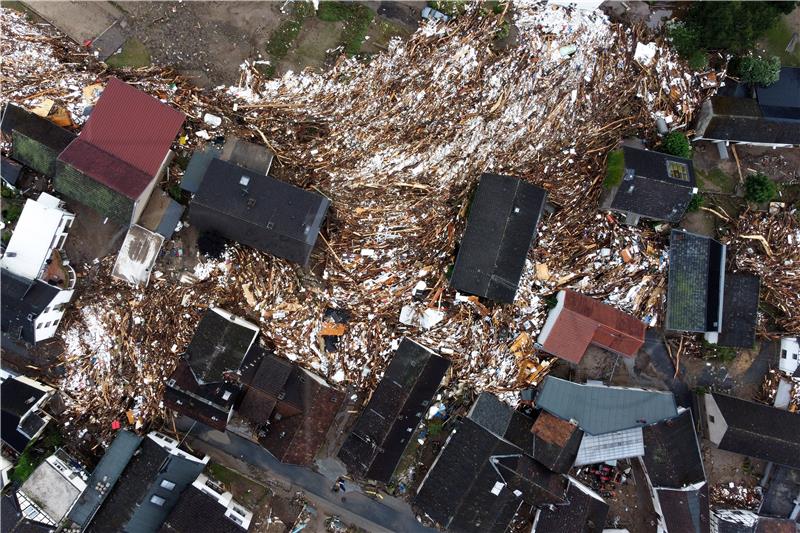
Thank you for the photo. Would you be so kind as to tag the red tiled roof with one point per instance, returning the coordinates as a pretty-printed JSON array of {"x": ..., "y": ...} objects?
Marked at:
[
  {"x": 584, "y": 320},
  {"x": 105, "y": 168},
  {"x": 132, "y": 126}
]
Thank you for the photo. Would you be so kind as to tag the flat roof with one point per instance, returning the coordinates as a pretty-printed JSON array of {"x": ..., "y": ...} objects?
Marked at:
[
  {"x": 51, "y": 491},
  {"x": 137, "y": 256}
]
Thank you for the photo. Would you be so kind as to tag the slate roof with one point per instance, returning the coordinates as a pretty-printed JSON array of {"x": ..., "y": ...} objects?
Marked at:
[
  {"x": 696, "y": 278},
  {"x": 782, "y": 489},
  {"x": 457, "y": 490},
  {"x": 218, "y": 346},
  {"x": 10, "y": 171},
  {"x": 16, "y": 118},
  {"x": 105, "y": 476},
  {"x": 744, "y": 120},
  {"x": 578, "y": 321},
  {"x": 251, "y": 156},
  {"x": 555, "y": 442},
  {"x": 685, "y": 510},
  {"x": 599, "y": 409},
  {"x": 13, "y": 521},
  {"x": 21, "y": 299},
  {"x": 760, "y": 431},
  {"x": 781, "y": 100},
  {"x": 672, "y": 453},
  {"x": 648, "y": 188},
  {"x": 197, "y": 167},
  {"x": 205, "y": 403},
  {"x": 382, "y": 431},
  {"x": 740, "y": 311},
  {"x": 169, "y": 221},
  {"x": 16, "y": 399},
  {"x": 261, "y": 391},
  {"x": 498, "y": 417},
  {"x": 582, "y": 513},
  {"x": 264, "y": 213},
  {"x": 502, "y": 223},
  {"x": 197, "y": 512}
]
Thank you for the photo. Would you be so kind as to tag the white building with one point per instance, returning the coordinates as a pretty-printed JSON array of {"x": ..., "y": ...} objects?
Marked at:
[
  {"x": 52, "y": 489},
  {"x": 789, "y": 357},
  {"x": 38, "y": 280},
  {"x": 232, "y": 510}
]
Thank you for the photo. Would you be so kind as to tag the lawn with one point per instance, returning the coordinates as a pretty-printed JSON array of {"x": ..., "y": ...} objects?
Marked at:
[
  {"x": 357, "y": 19},
  {"x": 133, "y": 55},
  {"x": 716, "y": 180},
  {"x": 285, "y": 35},
  {"x": 775, "y": 42},
  {"x": 244, "y": 490}
]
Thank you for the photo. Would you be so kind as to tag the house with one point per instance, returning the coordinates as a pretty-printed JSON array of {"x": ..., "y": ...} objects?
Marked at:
[
  {"x": 383, "y": 430},
  {"x": 22, "y": 404},
  {"x": 37, "y": 279},
  {"x": 251, "y": 156},
  {"x": 611, "y": 418},
  {"x": 556, "y": 442},
  {"x": 772, "y": 118},
  {"x": 291, "y": 408},
  {"x": 258, "y": 210},
  {"x": 578, "y": 321},
  {"x": 752, "y": 429},
  {"x": 52, "y": 489},
  {"x": 653, "y": 185},
  {"x": 136, "y": 484},
  {"x": 500, "y": 228},
  {"x": 739, "y": 312},
  {"x": 10, "y": 171},
  {"x": 676, "y": 478},
  {"x": 204, "y": 507},
  {"x": 35, "y": 141},
  {"x": 780, "y": 496},
  {"x": 485, "y": 475},
  {"x": 121, "y": 153},
  {"x": 137, "y": 255},
  {"x": 198, "y": 166},
  {"x": 744, "y": 521},
  {"x": 205, "y": 383},
  {"x": 696, "y": 283},
  {"x": 789, "y": 358}
]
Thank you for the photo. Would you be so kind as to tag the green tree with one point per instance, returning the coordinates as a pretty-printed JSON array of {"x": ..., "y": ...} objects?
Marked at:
[
  {"x": 698, "y": 60},
  {"x": 695, "y": 203},
  {"x": 759, "y": 188},
  {"x": 759, "y": 71},
  {"x": 684, "y": 39},
  {"x": 676, "y": 143}
]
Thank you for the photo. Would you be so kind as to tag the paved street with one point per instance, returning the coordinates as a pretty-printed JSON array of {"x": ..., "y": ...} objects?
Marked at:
[{"x": 390, "y": 514}]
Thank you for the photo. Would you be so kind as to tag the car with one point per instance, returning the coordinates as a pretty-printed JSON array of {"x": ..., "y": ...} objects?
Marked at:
[{"x": 429, "y": 13}]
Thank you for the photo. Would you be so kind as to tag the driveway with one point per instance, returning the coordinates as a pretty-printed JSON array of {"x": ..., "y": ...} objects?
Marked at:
[{"x": 389, "y": 514}]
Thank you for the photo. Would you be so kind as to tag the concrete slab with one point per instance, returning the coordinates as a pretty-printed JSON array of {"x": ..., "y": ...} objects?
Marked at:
[
  {"x": 80, "y": 21},
  {"x": 109, "y": 41},
  {"x": 137, "y": 256},
  {"x": 51, "y": 491}
]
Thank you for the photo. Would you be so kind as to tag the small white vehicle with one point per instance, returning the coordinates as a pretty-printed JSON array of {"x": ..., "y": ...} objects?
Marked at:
[{"x": 428, "y": 13}]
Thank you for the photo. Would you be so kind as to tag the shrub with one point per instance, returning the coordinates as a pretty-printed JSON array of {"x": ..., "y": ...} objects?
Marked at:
[
  {"x": 615, "y": 168},
  {"x": 356, "y": 17},
  {"x": 759, "y": 71},
  {"x": 503, "y": 31},
  {"x": 676, "y": 143},
  {"x": 698, "y": 60},
  {"x": 684, "y": 39},
  {"x": 452, "y": 8},
  {"x": 759, "y": 188},
  {"x": 695, "y": 203},
  {"x": 723, "y": 354}
]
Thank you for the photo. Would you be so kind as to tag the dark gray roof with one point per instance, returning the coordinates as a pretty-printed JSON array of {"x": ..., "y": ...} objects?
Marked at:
[
  {"x": 760, "y": 431},
  {"x": 599, "y": 409},
  {"x": 104, "y": 477},
  {"x": 696, "y": 273},
  {"x": 169, "y": 220},
  {"x": 502, "y": 223},
  {"x": 10, "y": 171},
  {"x": 556, "y": 442},
  {"x": 782, "y": 489},
  {"x": 198, "y": 165},
  {"x": 490, "y": 412},
  {"x": 744, "y": 120},
  {"x": 248, "y": 155},
  {"x": 31, "y": 125},
  {"x": 685, "y": 510},
  {"x": 22, "y": 301},
  {"x": 16, "y": 399},
  {"x": 672, "y": 453},
  {"x": 197, "y": 512},
  {"x": 648, "y": 189},
  {"x": 262, "y": 212},
  {"x": 382, "y": 432},
  {"x": 583, "y": 513},
  {"x": 218, "y": 346},
  {"x": 781, "y": 100},
  {"x": 740, "y": 311}
]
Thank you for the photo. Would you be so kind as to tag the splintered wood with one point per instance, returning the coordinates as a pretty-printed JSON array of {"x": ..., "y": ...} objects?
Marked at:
[{"x": 398, "y": 144}]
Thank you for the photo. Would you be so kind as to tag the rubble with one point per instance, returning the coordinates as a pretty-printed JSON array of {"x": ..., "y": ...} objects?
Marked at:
[
  {"x": 732, "y": 496},
  {"x": 397, "y": 144}
]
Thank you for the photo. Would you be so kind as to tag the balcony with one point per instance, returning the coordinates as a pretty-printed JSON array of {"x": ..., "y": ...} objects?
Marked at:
[{"x": 58, "y": 272}]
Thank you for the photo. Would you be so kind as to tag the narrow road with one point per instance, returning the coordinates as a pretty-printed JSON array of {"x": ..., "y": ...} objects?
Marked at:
[{"x": 390, "y": 514}]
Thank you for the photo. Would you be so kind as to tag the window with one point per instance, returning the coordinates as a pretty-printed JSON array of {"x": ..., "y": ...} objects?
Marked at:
[
  {"x": 167, "y": 484},
  {"x": 677, "y": 171},
  {"x": 236, "y": 519},
  {"x": 711, "y": 417},
  {"x": 794, "y": 356},
  {"x": 783, "y": 354},
  {"x": 39, "y": 325},
  {"x": 238, "y": 510},
  {"x": 226, "y": 395},
  {"x": 46, "y": 310},
  {"x": 47, "y": 325},
  {"x": 158, "y": 500},
  {"x": 55, "y": 322}
]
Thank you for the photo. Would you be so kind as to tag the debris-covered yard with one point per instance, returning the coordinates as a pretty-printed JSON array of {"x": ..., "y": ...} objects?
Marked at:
[{"x": 398, "y": 144}]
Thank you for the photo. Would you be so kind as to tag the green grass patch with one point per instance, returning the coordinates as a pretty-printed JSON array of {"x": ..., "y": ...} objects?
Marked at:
[
  {"x": 35, "y": 453},
  {"x": 452, "y": 8},
  {"x": 357, "y": 19},
  {"x": 285, "y": 35},
  {"x": 133, "y": 55},
  {"x": 615, "y": 168},
  {"x": 723, "y": 354},
  {"x": 718, "y": 178},
  {"x": 775, "y": 42},
  {"x": 224, "y": 475}
]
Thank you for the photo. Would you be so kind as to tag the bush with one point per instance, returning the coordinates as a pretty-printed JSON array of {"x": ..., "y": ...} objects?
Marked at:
[
  {"x": 333, "y": 11},
  {"x": 676, "y": 143},
  {"x": 759, "y": 71},
  {"x": 615, "y": 168},
  {"x": 452, "y": 8},
  {"x": 503, "y": 31},
  {"x": 684, "y": 39},
  {"x": 283, "y": 38},
  {"x": 357, "y": 19},
  {"x": 695, "y": 203},
  {"x": 723, "y": 354},
  {"x": 698, "y": 60},
  {"x": 759, "y": 188}
]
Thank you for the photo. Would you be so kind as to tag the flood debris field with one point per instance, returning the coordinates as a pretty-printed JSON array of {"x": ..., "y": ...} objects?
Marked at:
[{"x": 398, "y": 145}]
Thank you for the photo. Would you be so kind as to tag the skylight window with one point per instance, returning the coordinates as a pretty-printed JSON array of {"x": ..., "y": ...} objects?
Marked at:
[{"x": 678, "y": 171}]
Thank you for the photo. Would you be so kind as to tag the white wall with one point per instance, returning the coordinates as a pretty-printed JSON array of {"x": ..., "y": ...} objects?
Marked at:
[
  {"x": 44, "y": 331},
  {"x": 717, "y": 427},
  {"x": 789, "y": 355}
]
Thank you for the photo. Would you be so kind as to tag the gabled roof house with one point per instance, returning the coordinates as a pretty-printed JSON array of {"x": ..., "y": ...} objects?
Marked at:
[
  {"x": 204, "y": 507},
  {"x": 502, "y": 223},
  {"x": 258, "y": 210},
  {"x": 22, "y": 404},
  {"x": 120, "y": 154},
  {"x": 385, "y": 427},
  {"x": 653, "y": 185},
  {"x": 35, "y": 141},
  {"x": 205, "y": 384},
  {"x": 578, "y": 321},
  {"x": 37, "y": 279}
]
